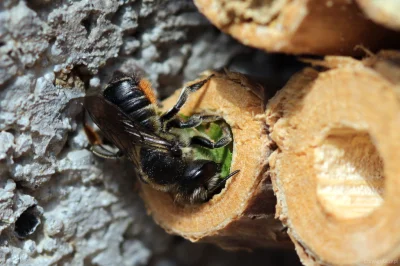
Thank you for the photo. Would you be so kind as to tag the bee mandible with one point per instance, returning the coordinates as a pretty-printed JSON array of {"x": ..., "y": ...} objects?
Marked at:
[{"x": 127, "y": 115}]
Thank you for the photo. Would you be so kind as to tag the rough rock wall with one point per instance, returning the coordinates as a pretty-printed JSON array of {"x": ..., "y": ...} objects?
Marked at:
[{"x": 58, "y": 203}]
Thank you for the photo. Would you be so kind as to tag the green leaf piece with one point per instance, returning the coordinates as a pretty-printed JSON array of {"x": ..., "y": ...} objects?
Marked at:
[{"x": 222, "y": 155}]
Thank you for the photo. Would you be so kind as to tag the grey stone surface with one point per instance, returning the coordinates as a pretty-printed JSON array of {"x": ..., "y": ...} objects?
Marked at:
[{"x": 60, "y": 205}]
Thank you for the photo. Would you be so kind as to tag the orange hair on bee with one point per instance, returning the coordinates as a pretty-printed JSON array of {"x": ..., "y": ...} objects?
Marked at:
[
  {"x": 93, "y": 137},
  {"x": 145, "y": 86}
]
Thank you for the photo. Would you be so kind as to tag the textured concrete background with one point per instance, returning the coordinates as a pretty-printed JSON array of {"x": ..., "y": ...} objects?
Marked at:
[{"x": 58, "y": 203}]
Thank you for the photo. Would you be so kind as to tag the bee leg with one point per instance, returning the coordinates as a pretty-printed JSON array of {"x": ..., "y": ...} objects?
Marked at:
[
  {"x": 102, "y": 152},
  {"x": 210, "y": 144},
  {"x": 193, "y": 121},
  {"x": 183, "y": 98},
  {"x": 178, "y": 123}
]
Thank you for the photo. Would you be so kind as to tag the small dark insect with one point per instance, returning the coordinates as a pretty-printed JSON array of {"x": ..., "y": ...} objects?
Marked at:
[{"x": 156, "y": 142}]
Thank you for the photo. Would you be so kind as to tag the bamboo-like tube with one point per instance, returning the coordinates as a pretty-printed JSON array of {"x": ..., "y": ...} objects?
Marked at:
[
  {"x": 242, "y": 216},
  {"x": 384, "y": 12},
  {"x": 336, "y": 170},
  {"x": 299, "y": 27}
]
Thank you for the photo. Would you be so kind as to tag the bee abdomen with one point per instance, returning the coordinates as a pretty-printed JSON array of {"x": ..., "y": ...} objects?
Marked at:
[
  {"x": 132, "y": 101},
  {"x": 121, "y": 92},
  {"x": 131, "y": 104},
  {"x": 143, "y": 114}
]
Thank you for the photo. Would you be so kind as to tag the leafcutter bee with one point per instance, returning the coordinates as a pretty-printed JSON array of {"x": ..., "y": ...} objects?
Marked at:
[{"x": 156, "y": 143}]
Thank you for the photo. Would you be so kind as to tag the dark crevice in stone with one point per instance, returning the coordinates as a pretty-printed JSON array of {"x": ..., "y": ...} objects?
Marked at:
[
  {"x": 27, "y": 223},
  {"x": 90, "y": 22}
]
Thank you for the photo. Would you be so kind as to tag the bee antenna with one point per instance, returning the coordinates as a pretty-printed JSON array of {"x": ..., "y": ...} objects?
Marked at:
[
  {"x": 223, "y": 181},
  {"x": 230, "y": 175}
]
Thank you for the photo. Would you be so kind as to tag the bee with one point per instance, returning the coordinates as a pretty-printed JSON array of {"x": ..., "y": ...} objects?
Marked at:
[{"x": 127, "y": 114}]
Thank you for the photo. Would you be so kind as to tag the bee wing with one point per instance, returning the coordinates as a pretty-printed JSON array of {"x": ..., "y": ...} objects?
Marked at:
[{"x": 119, "y": 128}]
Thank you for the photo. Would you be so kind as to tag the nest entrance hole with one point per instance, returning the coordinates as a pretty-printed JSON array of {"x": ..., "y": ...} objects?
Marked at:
[{"x": 350, "y": 174}]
